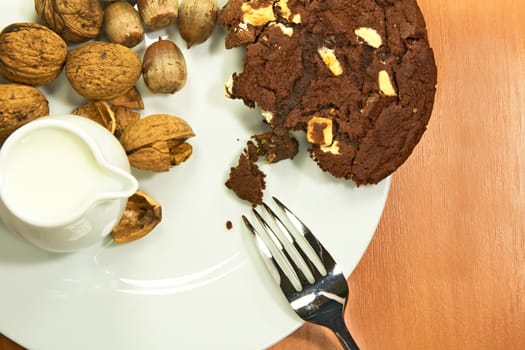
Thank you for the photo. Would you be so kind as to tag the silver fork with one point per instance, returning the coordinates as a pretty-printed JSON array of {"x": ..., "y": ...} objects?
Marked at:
[{"x": 308, "y": 276}]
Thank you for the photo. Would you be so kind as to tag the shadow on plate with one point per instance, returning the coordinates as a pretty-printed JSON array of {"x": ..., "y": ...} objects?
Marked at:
[{"x": 14, "y": 249}]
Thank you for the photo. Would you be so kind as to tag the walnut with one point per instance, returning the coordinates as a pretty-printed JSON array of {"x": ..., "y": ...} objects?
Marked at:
[
  {"x": 74, "y": 20},
  {"x": 19, "y": 104},
  {"x": 157, "y": 142},
  {"x": 102, "y": 71},
  {"x": 31, "y": 54}
]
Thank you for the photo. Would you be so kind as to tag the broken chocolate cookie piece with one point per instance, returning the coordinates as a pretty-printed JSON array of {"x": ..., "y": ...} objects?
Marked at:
[
  {"x": 247, "y": 180},
  {"x": 357, "y": 76},
  {"x": 276, "y": 147}
]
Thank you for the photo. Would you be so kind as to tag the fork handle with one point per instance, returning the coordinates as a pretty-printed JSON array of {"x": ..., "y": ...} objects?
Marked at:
[{"x": 344, "y": 336}]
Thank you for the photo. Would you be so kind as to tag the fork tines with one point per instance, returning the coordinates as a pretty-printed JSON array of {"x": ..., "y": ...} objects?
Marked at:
[{"x": 295, "y": 254}]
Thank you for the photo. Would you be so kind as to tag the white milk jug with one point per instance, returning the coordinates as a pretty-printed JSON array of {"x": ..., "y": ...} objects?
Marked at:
[{"x": 64, "y": 182}]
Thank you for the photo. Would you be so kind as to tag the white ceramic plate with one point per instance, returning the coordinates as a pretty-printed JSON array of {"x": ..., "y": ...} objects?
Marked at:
[{"x": 192, "y": 283}]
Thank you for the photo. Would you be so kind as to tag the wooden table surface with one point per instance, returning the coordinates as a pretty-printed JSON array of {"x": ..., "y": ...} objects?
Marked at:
[{"x": 446, "y": 267}]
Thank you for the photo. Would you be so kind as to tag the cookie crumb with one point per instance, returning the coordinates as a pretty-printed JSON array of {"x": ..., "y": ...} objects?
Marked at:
[
  {"x": 246, "y": 179},
  {"x": 229, "y": 225}
]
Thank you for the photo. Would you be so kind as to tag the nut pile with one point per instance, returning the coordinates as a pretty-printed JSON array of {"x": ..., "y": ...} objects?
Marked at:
[{"x": 104, "y": 68}]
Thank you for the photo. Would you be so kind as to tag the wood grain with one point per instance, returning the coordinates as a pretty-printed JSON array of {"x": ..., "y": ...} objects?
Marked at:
[{"x": 446, "y": 268}]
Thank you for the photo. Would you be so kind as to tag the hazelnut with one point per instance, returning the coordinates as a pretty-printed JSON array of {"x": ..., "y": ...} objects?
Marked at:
[
  {"x": 158, "y": 14},
  {"x": 164, "y": 67},
  {"x": 197, "y": 20},
  {"x": 123, "y": 24}
]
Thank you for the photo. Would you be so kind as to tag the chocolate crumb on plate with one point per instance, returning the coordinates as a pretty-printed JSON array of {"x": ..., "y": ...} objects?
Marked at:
[{"x": 246, "y": 179}]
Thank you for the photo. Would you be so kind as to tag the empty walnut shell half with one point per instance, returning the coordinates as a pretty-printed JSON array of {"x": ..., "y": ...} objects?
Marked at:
[
  {"x": 31, "y": 54},
  {"x": 100, "y": 112},
  {"x": 123, "y": 117},
  {"x": 157, "y": 142},
  {"x": 75, "y": 21},
  {"x": 140, "y": 217},
  {"x": 131, "y": 99}
]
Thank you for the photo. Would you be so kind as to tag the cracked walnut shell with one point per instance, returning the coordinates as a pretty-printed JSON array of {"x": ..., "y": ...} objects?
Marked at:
[
  {"x": 157, "y": 142},
  {"x": 31, "y": 54},
  {"x": 74, "y": 20},
  {"x": 99, "y": 112},
  {"x": 102, "y": 71},
  {"x": 140, "y": 217}
]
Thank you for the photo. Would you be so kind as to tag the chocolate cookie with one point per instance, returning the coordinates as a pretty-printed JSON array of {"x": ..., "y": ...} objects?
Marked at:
[{"x": 358, "y": 76}]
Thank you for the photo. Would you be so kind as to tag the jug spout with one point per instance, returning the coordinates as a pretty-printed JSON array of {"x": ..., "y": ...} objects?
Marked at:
[{"x": 118, "y": 184}]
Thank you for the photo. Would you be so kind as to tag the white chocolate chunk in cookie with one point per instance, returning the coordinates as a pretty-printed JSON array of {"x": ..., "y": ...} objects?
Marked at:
[
  {"x": 331, "y": 61},
  {"x": 228, "y": 87},
  {"x": 333, "y": 148},
  {"x": 257, "y": 16},
  {"x": 369, "y": 36},
  {"x": 288, "y": 31},
  {"x": 385, "y": 84},
  {"x": 268, "y": 116},
  {"x": 286, "y": 13},
  {"x": 296, "y": 18},
  {"x": 242, "y": 27},
  {"x": 319, "y": 131}
]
